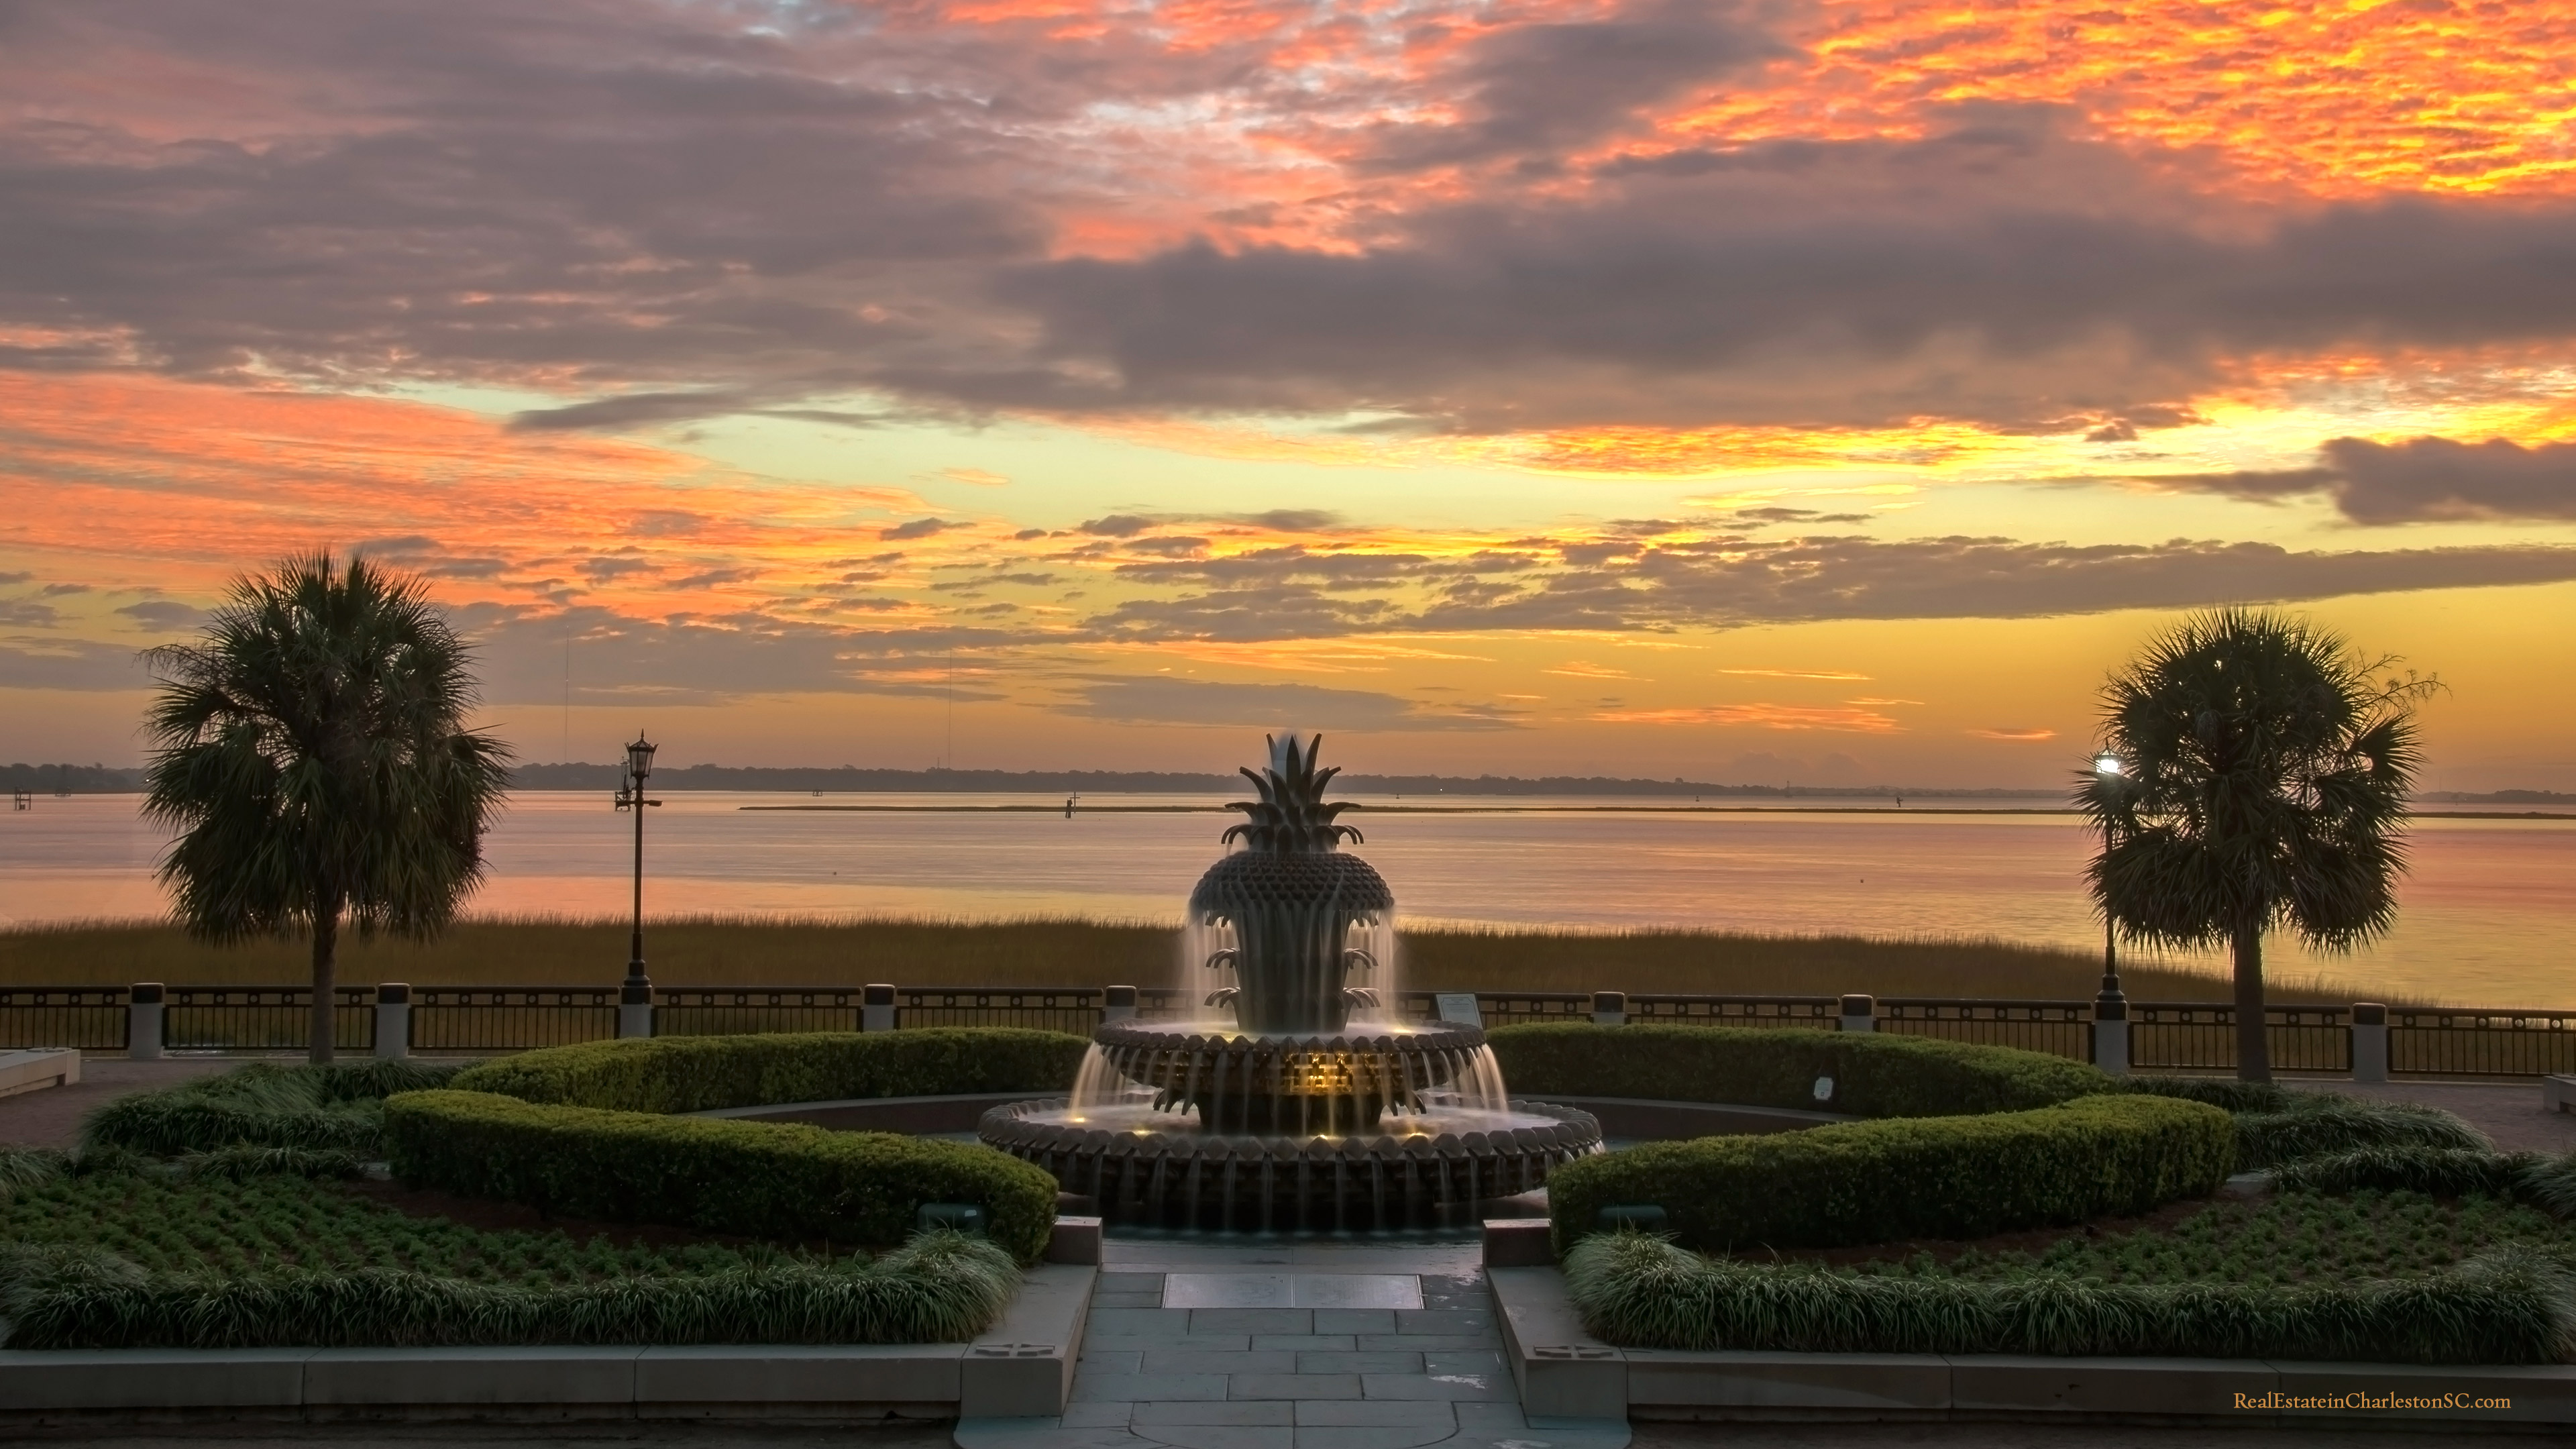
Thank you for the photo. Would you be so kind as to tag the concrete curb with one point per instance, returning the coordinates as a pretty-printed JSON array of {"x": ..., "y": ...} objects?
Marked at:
[
  {"x": 1022, "y": 1366},
  {"x": 1564, "y": 1372}
]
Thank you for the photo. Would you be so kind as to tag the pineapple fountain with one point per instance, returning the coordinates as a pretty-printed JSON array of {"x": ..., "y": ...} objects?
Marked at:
[{"x": 1299, "y": 1098}]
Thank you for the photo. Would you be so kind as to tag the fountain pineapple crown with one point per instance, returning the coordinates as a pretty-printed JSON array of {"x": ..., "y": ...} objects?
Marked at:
[{"x": 1291, "y": 817}]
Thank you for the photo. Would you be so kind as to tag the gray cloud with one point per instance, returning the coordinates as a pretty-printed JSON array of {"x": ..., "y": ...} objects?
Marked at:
[
  {"x": 163, "y": 616},
  {"x": 1292, "y": 593},
  {"x": 1160, "y": 699},
  {"x": 918, "y": 528},
  {"x": 2418, "y": 480},
  {"x": 1538, "y": 89},
  {"x": 70, "y": 665},
  {"x": 520, "y": 656}
]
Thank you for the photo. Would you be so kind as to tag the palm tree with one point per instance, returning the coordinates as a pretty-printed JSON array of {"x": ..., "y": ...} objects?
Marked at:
[
  {"x": 311, "y": 754},
  {"x": 2265, "y": 770}
]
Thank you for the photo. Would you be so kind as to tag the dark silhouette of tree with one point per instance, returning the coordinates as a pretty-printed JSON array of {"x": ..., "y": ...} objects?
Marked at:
[
  {"x": 2266, "y": 770},
  {"x": 310, "y": 750}
]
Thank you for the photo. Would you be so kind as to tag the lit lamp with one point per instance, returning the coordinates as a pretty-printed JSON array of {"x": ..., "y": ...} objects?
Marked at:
[
  {"x": 2112, "y": 1004},
  {"x": 635, "y": 999}
]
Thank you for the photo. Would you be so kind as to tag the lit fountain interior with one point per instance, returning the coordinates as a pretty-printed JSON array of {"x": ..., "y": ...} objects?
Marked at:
[{"x": 1298, "y": 1098}]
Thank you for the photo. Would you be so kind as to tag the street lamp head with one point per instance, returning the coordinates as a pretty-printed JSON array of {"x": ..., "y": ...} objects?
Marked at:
[
  {"x": 2107, "y": 765},
  {"x": 639, "y": 756}
]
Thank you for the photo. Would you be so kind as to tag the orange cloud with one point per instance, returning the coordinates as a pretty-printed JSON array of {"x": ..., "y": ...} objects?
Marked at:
[
  {"x": 2017, "y": 736},
  {"x": 1762, "y": 716}
]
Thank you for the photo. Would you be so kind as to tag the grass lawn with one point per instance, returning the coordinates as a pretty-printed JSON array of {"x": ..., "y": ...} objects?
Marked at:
[
  {"x": 264, "y": 1223},
  {"x": 2271, "y": 1240}
]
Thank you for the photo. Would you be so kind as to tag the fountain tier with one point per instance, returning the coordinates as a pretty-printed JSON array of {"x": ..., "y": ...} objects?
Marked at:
[{"x": 1294, "y": 1114}]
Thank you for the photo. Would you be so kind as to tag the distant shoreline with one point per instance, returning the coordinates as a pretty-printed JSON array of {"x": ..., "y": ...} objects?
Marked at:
[{"x": 1557, "y": 810}]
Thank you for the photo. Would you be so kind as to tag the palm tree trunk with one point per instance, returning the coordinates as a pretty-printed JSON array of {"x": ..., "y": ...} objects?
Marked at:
[
  {"x": 326, "y": 970},
  {"x": 2253, "y": 1046}
]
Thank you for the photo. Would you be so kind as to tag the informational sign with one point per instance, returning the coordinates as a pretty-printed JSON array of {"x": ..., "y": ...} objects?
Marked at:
[{"x": 1460, "y": 1007}]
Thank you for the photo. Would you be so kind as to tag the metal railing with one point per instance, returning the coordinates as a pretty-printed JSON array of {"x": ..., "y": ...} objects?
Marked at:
[
  {"x": 2059, "y": 1028},
  {"x": 2482, "y": 1043},
  {"x": 510, "y": 1018},
  {"x": 2200, "y": 1036},
  {"x": 263, "y": 1018},
  {"x": 91, "y": 1018},
  {"x": 2163, "y": 1036}
]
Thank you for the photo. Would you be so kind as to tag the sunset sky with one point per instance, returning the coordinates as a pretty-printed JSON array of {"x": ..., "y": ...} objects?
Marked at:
[{"x": 1788, "y": 389}]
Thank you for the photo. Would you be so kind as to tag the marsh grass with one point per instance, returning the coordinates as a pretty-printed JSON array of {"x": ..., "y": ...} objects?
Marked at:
[{"x": 817, "y": 951}]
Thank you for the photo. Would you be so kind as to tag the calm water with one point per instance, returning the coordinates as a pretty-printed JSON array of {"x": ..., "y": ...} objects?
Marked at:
[{"x": 2489, "y": 909}]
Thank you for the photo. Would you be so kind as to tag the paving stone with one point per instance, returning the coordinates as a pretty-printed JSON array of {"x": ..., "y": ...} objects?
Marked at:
[
  {"x": 1479, "y": 1417},
  {"x": 1127, "y": 1343},
  {"x": 1131, "y": 1282},
  {"x": 1294, "y": 1386},
  {"x": 1219, "y": 1436},
  {"x": 1371, "y": 1437},
  {"x": 1438, "y": 1320},
  {"x": 1146, "y": 1388},
  {"x": 1381, "y": 1362},
  {"x": 1111, "y": 1415},
  {"x": 1439, "y": 1386},
  {"x": 1303, "y": 1341},
  {"x": 1127, "y": 1300},
  {"x": 1186, "y": 1359},
  {"x": 1357, "y": 1320},
  {"x": 1429, "y": 1342},
  {"x": 1110, "y": 1360},
  {"x": 1140, "y": 1323},
  {"x": 1374, "y": 1413},
  {"x": 1251, "y": 1320},
  {"x": 1465, "y": 1361},
  {"x": 1223, "y": 1411}
]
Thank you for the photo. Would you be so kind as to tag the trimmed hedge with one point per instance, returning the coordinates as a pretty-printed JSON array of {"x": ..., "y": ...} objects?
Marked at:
[
  {"x": 1939, "y": 1177},
  {"x": 707, "y": 1073},
  {"x": 757, "y": 1179},
  {"x": 1874, "y": 1074},
  {"x": 2510, "y": 1307},
  {"x": 939, "y": 1288}
]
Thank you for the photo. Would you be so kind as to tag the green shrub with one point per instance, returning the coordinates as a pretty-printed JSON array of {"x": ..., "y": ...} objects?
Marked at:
[
  {"x": 2510, "y": 1307},
  {"x": 706, "y": 1073},
  {"x": 939, "y": 1288},
  {"x": 2227, "y": 1092},
  {"x": 333, "y": 1108},
  {"x": 758, "y": 1179},
  {"x": 1874, "y": 1074},
  {"x": 2542, "y": 1179},
  {"x": 1937, "y": 1177}
]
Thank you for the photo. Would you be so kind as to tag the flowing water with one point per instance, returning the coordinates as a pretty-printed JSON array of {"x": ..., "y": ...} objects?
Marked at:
[{"x": 2489, "y": 909}]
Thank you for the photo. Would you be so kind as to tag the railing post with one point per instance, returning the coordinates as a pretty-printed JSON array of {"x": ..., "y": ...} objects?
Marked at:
[
  {"x": 1118, "y": 1003},
  {"x": 2369, "y": 1041},
  {"x": 2111, "y": 1036},
  {"x": 876, "y": 1007},
  {"x": 143, "y": 1021},
  {"x": 1609, "y": 1008},
  {"x": 635, "y": 1009},
  {"x": 393, "y": 1021},
  {"x": 1860, "y": 1013}
]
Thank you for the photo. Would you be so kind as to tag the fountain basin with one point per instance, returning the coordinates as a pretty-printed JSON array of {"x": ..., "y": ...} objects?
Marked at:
[
  {"x": 1297, "y": 1086},
  {"x": 1428, "y": 1168}
]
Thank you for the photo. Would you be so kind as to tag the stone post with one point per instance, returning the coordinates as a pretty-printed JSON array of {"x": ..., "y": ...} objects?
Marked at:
[
  {"x": 1118, "y": 1003},
  {"x": 2111, "y": 1037},
  {"x": 876, "y": 1007},
  {"x": 634, "y": 1015},
  {"x": 143, "y": 1021},
  {"x": 2369, "y": 1041},
  {"x": 393, "y": 1021},
  {"x": 1609, "y": 1008},
  {"x": 1860, "y": 1013}
]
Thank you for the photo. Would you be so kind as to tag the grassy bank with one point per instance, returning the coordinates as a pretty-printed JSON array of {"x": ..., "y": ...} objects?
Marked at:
[{"x": 718, "y": 951}]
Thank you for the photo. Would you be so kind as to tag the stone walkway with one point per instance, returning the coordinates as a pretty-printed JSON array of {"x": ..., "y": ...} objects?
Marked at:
[{"x": 1291, "y": 1346}]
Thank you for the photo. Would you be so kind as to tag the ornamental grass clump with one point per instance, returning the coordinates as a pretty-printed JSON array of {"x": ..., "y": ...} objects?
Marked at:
[
  {"x": 2328, "y": 1124},
  {"x": 940, "y": 1287},
  {"x": 333, "y": 1108},
  {"x": 2545, "y": 1180},
  {"x": 2510, "y": 1306}
]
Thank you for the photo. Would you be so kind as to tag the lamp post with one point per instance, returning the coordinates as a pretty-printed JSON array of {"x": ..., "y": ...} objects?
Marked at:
[
  {"x": 2111, "y": 1005},
  {"x": 635, "y": 998}
]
